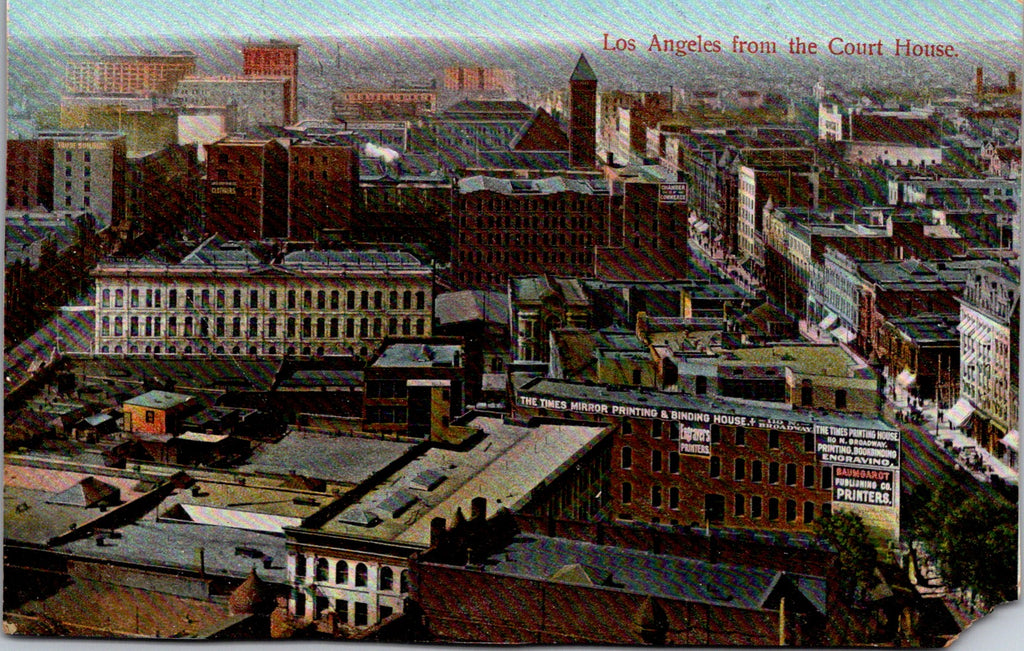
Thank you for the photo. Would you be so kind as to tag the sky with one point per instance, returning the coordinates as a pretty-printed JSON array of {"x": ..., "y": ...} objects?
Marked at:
[{"x": 586, "y": 20}]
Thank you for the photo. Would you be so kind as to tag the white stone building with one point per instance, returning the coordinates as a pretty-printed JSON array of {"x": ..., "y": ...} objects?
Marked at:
[{"x": 229, "y": 298}]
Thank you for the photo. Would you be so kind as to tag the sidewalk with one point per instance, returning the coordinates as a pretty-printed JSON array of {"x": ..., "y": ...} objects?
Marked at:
[{"x": 961, "y": 448}]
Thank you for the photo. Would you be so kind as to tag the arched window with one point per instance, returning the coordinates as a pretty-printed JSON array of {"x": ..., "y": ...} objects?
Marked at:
[
  {"x": 627, "y": 457},
  {"x": 341, "y": 573},
  {"x": 406, "y": 300},
  {"x": 322, "y": 569},
  {"x": 300, "y": 565},
  {"x": 360, "y": 575},
  {"x": 403, "y": 581},
  {"x": 393, "y": 300},
  {"x": 386, "y": 580}
]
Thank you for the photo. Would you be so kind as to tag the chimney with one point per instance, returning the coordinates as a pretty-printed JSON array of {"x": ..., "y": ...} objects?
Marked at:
[
  {"x": 478, "y": 509},
  {"x": 437, "y": 531},
  {"x": 1011, "y": 81},
  {"x": 979, "y": 81}
]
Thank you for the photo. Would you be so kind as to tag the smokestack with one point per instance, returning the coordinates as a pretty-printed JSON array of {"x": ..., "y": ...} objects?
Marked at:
[
  {"x": 979, "y": 81},
  {"x": 478, "y": 509},
  {"x": 1011, "y": 81},
  {"x": 438, "y": 526}
]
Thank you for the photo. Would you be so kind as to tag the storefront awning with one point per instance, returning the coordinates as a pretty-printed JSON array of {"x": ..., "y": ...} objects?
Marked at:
[
  {"x": 701, "y": 226},
  {"x": 843, "y": 334},
  {"x": 906, "y": 379},
  {"x": 1011, "y": 440},
  {"x": 960, "y": 412},
  {"x": 828, "y": 322}
]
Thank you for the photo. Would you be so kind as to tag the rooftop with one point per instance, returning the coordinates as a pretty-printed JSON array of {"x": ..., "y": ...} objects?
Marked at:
[
  {"x": 159, "y": 400},
  {"x": 471, "y": 305},
  {"x": 562, "y": 560},
  {"x": 504, "y": 467},
  {"x": 549, "y": 185},
  {"x": 342, "y": 459},
  {"x": 408, "y": 355},
  {"x": 804, "y": 359},
  {"x": 649, "y": 401}
]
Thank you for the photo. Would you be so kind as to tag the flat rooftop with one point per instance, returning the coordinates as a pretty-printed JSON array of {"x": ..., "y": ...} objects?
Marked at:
[
  {"x": 504, "y": 467},
  {"x": 341, "y": 459},
  {"x": 251, "y": 507},
  {"x": 810, "y": 360},
  {"x": 227, "y": 551}
]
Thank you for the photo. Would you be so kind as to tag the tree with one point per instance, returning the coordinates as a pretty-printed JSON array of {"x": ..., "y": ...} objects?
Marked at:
[
  {"x": 976, "y": 546},
  {"x": 845, "y": 532}
]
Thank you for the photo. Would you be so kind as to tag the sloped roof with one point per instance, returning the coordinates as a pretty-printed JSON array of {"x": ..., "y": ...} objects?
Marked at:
[
  {"x": 87, "y": 493},
  {"x": 581, "y": 575},
  {"x": 583, "y": 71},
  {"x": 253, "y": 596}
]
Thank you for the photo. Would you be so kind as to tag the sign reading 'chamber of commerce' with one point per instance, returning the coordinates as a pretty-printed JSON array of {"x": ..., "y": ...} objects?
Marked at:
[
  {"x": 863, "y": 486},
  {"x": 673, "y": 193},
  {"x": 858, "y": 447}
]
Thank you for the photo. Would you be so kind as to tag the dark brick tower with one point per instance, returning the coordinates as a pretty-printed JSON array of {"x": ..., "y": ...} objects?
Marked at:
[{"x": 582, "y": 115}]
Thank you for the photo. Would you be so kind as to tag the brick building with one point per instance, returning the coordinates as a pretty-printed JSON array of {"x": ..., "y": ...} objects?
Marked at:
[
  {"x": 136, "y": 74},
  {"x": 582, "y": 115},
  {"x": 508, "y": 227},
  {"x": 716, "y": 462},
  {"x": 375, "y": 103},
  {"x": 647, "y": 232},
  {"x": 921, "y": 352},
  {"x": 547, "y": 581},
  {"x": 475, "y": 78},
  {"x": 416, "y": 388},
  {"x": 408, "y": 200},
  {"x": 157, "y": 412},
  {"x": 275, "y": 58},
  {"x": 47, "y": 257},
  {"x": 29, "y": 174},
  {"x": 247, "y": 189},
  {"x": 163, "y": 197},
  {"x": 323, "y": 182}
]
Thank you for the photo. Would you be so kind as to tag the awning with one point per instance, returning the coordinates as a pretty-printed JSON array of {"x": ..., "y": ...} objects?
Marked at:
[
  {"x": 906, "y": 379},
  {"x": 1011, "y": 440},
  {"x": 828, "y": 322},
  {"x": 701, "y": 226},
  {"x": 843, "y": 334},
  {"x": 692, "y": 218},
  {"x": 960, "y": 412}
]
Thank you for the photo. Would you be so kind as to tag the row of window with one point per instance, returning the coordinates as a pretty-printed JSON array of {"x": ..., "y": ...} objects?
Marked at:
[
  {"x": 321, "y": 604},
  {"x": 322, "y": 328},
  {"x": 153, "y": 298},
  {"x": 573, "y": 257},
  {"x": 221, "y": 350},
  {"x": 739, "y": 469},
  {"x": 739, "y": 435},
  {"x": 360, "y": 574},
  {"x": 743, "y": 506}
]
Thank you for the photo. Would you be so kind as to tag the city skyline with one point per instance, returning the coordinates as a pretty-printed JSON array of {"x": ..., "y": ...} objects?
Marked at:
[{"x": 543, "y": 21}]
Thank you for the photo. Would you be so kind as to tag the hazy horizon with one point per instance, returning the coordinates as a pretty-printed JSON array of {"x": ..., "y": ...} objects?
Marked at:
[{"x": 530, "y": 20}]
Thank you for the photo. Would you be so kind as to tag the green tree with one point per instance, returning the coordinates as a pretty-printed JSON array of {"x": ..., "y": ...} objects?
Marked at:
[
  {"x": 976, "y": 546},
  {"x": 845, "y": 532}
]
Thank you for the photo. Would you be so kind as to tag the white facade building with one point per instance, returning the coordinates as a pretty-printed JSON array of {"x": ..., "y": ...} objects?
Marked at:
[{"x": 223, "y": 299}]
